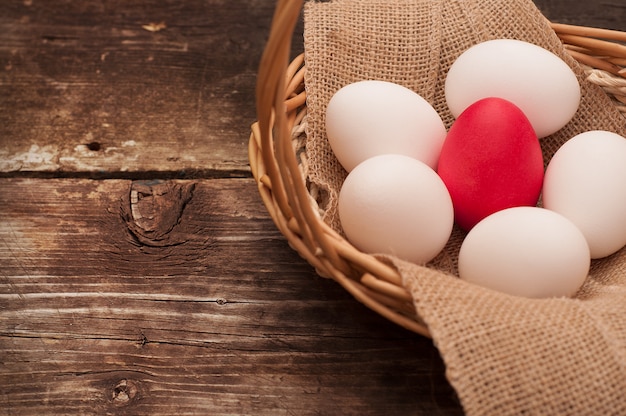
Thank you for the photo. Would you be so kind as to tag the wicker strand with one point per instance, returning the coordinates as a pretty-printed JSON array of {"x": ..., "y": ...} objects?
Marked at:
[{"x": 597, "y": 48}]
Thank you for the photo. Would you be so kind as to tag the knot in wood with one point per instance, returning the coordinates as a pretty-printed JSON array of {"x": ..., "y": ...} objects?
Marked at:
[
  {"x": 124, "y": 392},
  {"x": 153, "y": 210}
]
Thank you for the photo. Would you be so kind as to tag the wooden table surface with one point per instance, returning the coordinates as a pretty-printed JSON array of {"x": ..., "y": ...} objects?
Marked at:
[{"x": 140, "y": 271}]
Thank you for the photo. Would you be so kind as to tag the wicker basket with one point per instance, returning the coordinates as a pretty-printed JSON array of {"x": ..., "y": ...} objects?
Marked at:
[{"x": 280, "y": 169}]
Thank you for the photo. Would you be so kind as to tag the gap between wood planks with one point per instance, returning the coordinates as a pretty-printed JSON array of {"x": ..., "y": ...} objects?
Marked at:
[{"x": 183, "y": 174}]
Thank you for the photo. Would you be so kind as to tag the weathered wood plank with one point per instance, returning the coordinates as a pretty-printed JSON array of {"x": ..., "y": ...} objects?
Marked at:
[
  {"x": 116, "y": 299},
  {"x": 607, "y": 14},
  {"x": 84, "y": 86},
  {"x": 154, "y": 86}
]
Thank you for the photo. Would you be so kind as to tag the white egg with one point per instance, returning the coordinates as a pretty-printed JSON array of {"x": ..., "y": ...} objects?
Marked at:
[
  {"x": 370, "y": 118},
  {"x": 394, "y": 204},
  {"x": 541, "y": 84},
  {"x": 585, "y": 181},
  {"x": 525, "y": 251}
]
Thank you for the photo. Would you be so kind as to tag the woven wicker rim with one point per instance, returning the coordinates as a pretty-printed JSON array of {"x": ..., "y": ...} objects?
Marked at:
[{"x": 279, "y": 172}]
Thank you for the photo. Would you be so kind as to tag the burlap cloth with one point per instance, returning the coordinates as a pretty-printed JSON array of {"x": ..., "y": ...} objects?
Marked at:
[{"x": 503, "y": 355}]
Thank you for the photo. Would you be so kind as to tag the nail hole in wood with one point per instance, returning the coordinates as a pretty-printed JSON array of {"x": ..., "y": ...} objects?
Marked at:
[{"x": 94, "y": 146}]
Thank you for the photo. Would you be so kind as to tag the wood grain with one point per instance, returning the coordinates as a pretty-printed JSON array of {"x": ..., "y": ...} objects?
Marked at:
[
  {"x": 607, "y": 14},
  {"x": 217, "y": 316},
  {"x": 149, "y": 89},
  {"x": 86, "y": 88}
]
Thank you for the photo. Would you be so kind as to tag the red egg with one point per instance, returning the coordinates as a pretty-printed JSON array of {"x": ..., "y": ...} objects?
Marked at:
[{"x": 490, "y": 160}]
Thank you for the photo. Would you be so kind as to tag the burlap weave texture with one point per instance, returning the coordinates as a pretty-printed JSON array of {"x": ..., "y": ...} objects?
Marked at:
[{"x": 504, "y": 355}]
